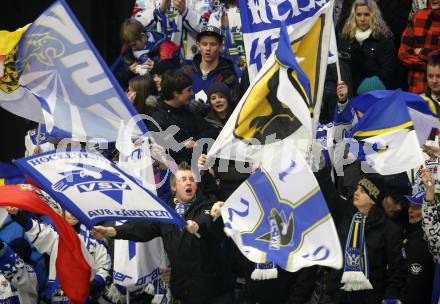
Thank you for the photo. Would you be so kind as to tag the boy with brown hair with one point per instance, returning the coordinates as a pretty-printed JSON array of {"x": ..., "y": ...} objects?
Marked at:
[{"x": 144, "y": 49}]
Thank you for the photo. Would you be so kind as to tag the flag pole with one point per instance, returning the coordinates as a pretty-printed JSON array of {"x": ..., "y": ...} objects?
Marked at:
[
  {"x": 335, "y": 45},
  {"x": 127, "y": 296},
  {"x": 37, "y": 148},
  {"x": 338, "y": 68}
]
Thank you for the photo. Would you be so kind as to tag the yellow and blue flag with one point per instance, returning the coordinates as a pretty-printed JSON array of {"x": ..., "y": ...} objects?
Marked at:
[
  {"x": 385, "y": 138},
  {"x": 275, "y": 109},
  {"x": 310, "y": 27},
  {"x": 423, "y": 111}
]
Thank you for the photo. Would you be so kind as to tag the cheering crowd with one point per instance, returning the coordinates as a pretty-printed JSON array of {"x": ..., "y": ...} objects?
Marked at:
[{"x": 183, "y": 66}]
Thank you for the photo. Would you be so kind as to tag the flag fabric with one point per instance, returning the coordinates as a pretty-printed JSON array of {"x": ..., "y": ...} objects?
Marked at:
[
  {"x": 70, "y": 261},
  {"x": 385, "y": 138},
  {"x": 137, "y": 264},
  {"x": 10, "y": 175},
  {"x": 423, "y": 111},
  {"x": 309, "y": 25},
  {"x": 63, "y": 74},
  {"x": 94, "y": 189},
  {"x": 279, "y": 215},
  {"x": 13, "y": 97},
  {"x": 333, "y": 47},
  {"x": 325, "y": 143},
  {"x": 275, "y": 109}
]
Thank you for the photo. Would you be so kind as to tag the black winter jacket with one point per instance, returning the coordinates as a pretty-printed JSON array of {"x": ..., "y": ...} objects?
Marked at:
[
  {"x": 199, "y": 271},
  {"x": 189, "y": 125},
  {"x": 384, "y": 240},
  {"x": 375, "y": 57},
  {"x": 224, "y": 72},
  {"x": 394, "y": 12},
  {"x": 419, "y": 267},
  {"x": 287, "y": 288}
]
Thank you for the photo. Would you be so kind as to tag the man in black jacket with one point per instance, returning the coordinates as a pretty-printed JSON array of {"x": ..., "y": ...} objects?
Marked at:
[
  {"x": 419, "y": 262},
  {"x": 176, "y": 127},
  {"x": 199, "y": 271}
]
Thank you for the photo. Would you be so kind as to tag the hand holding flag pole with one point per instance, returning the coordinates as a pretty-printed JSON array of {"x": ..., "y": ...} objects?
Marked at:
[
  {"x": 429, "y": 182},
  {"x": 192, "y": 228},
  {"x": 216, "y": 210},
  {"x": 432, "y": 152}
]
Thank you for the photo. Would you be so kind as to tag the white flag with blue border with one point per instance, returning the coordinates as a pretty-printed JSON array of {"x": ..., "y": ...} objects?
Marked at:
[
  {"x": 279, "y": 215},
  {"x": 136, "y": 264},
  {"x": 94, "y": 189}
]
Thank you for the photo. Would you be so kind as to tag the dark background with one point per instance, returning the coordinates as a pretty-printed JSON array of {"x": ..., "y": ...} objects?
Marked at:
[{"x": 101, "y": 20}]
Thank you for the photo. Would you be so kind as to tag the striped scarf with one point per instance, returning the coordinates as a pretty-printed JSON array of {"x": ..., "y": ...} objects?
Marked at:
[{"x": 355, "y": 276}]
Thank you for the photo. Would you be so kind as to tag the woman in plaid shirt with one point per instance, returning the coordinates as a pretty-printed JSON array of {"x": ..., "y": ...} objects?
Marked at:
[{"x": 421, "y": 36}]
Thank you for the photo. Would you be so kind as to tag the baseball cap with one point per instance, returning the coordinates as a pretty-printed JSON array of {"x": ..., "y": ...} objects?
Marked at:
[
  {"x": 417, "y": 198},
  {"x": 209, "y": 30}
]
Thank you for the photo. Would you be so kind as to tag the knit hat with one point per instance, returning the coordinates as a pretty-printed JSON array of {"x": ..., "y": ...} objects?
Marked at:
[
  {"x": 370, "y": 84},
  {"x": 220, "y": 87},
  {"x": 160, "y": 67},
  {"x": 397, "y": 186},
  {"x": 374, "y": 188},
  {"x": 210, "y": 31}
]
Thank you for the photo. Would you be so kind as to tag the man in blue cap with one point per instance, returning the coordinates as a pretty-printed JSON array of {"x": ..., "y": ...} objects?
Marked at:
[{"x": 419, "y": 262}]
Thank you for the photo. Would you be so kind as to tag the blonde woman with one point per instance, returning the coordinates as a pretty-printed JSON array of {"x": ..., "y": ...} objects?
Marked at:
[{"x": 367, "y": 43}]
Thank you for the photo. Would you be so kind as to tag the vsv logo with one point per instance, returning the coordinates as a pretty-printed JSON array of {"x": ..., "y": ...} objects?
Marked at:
[
  {"x": 102, "y": 186},
  {"x": 89, "y": 178}
]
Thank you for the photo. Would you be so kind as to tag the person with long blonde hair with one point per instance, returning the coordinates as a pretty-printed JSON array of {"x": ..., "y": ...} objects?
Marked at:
[{"x": 367, "y": 43}]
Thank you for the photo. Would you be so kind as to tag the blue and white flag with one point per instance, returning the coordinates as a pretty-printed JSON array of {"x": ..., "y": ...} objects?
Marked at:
[
  {"x": 94, "y": 189},
  {"x": 78, "y": 95},
  {"x": 423, "y": 111},
  {"x": 385, "y": 138},
  {"x": 309, "y": 24},
  {"x": 333, "y": 48},
  {"x": 137, "y": 264},
  {"x": 279, "y": 215}
]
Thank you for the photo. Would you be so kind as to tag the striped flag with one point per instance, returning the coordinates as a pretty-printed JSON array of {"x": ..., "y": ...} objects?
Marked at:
[{"x": 385, "y": 138}]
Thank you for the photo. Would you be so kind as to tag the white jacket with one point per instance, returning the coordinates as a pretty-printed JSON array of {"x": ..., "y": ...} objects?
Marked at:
[
  {"x": 181, "y": 29},
  {"x": 45, "y": 240},
  {"x": 431, "y": 227},
  {"x": 18, "y": 282}
]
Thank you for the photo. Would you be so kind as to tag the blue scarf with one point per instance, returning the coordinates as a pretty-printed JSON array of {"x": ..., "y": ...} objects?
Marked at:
[
  {"x": 181, "y": 208},
  {"x": 355, "y": 276}
]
